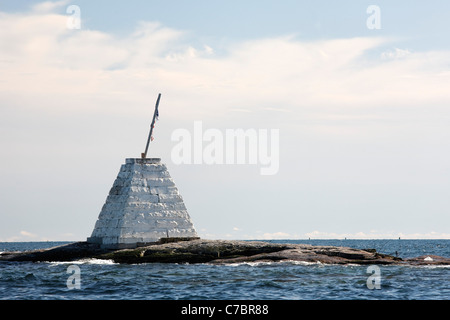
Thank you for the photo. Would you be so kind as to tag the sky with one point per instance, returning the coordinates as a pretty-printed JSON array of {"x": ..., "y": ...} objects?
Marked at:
[{"x": 360, "y": 98}]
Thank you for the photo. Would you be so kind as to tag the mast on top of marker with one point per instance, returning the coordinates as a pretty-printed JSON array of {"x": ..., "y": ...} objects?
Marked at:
[{"x": 155, "y": 115}]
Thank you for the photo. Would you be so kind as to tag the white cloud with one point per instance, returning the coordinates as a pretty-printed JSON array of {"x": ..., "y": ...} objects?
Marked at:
[
  {"x": 28, "y": 234},
  {"x": 49, "y": 6},
  {"x": 24, "y": 236},
  {"x": 42, "y": 58},
  {"x": 21, "y": 236},
  {"x": 276, "y": 235}
]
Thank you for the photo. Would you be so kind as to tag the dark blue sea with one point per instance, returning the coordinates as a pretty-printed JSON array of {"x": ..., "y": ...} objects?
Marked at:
[{"x": 104, "y": 280}]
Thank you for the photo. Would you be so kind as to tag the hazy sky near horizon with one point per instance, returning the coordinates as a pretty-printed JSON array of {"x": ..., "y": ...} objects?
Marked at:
[{"x": 363, "y": 114}]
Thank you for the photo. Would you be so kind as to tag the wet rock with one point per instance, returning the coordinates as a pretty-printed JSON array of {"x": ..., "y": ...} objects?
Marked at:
[{"x": 68, "y": 252}]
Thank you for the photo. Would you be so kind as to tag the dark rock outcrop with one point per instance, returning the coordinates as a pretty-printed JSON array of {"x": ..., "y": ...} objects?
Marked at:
[{"x": 69, "y": 252}]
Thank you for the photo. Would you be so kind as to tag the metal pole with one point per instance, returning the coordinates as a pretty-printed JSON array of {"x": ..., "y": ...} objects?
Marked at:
[{"x": 144, "y": 155}]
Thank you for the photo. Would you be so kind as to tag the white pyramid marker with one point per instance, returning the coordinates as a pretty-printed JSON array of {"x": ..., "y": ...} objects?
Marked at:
[{"x": 143, "y": 206}]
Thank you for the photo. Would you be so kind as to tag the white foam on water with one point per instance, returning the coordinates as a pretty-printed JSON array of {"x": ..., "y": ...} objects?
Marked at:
[
  {"x": 85, "y": 261},
  {"x": 271, "y": 263},
  {"x": 305, "y": 263},
  {"x": 438, "y": 266}
]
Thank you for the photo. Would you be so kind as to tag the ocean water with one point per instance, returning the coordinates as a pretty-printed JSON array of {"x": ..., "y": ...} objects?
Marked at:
[{"x": 105, "y": 280}]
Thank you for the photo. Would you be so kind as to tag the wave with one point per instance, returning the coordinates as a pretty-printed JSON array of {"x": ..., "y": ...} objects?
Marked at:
[
  {"x": 434, "y": 266},
  {"x": 84, "y": 261},
  {"x": 269, "y": 263}
]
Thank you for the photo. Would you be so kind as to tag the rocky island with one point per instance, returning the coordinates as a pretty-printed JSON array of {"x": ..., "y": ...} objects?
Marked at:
[
  {"x": 193, "y": 251},
  {"x": 144, "y": 220}
]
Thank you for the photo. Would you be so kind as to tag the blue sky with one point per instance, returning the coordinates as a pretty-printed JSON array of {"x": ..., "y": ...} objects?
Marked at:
[
  {"x": 363, "y": 114},
  {"x": 416, "y": 22}
]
